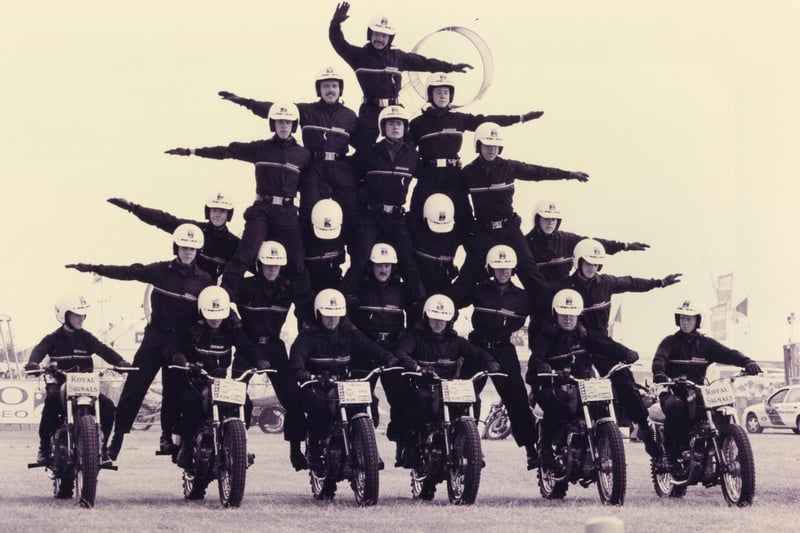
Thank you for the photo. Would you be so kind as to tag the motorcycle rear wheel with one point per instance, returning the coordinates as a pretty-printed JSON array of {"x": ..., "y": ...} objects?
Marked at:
[
  {"x": 145, "y": 418},
  {"x": 739, "y": 473},
  {"x": 233, "y": 464},
  {"x": 271, "y": 419},
  {"x": 498, "y": 425},
  {"x": 611, "y": 474},
  {"x": 464, "y": 473},
  {"x": 323, "y": 487},
  {"x": 87, "y": 460},
  {"x": 365, "y": 481}
]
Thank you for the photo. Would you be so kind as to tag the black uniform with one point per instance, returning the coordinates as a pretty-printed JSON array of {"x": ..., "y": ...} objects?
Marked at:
[
  {"x": 553, "y": 253},
  {"x": 324, "y": 259},
  {"x": 278, "y": 165},
  {"x": 72, "y": 352},
  {"x": 435, "y": 254}
]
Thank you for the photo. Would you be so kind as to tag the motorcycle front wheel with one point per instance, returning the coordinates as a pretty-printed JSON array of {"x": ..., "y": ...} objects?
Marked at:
[
  {"x": 738, "y": 471},
  {"x": 466, "y": 462},
  {"x": 611, "y": 471},
  {"x": 233, "y": 463},
  {"x": 270, "y": 419},
  {"x": 365, "y": 480},
  {"x": 87, "y": 460}
]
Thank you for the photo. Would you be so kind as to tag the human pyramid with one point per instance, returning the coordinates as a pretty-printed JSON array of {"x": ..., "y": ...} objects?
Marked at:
[{"x": 319, "y": 203}]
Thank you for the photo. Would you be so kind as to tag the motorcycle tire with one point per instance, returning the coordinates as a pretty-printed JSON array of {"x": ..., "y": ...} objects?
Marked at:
[
  {"x": 271, "y": 419},
  {"x": 323, "y": 486},
  {"x": 63, "y": 477},
  {"x": 365, "y": 480},
  {"x": 551, "y": 485},
  {"x": 662, "y": 481},
  {"x": 233, "y": 463},
  {"x": 466, "y": 462},
  {"x": 145, "y": 418},
  {"x": 497, "y": 426},
  {"x": 194, "y": 488},
  {"x": 612, "y": 470},
  {"x": 738, "y": 478},
  {"x": 87, "y": 460}
]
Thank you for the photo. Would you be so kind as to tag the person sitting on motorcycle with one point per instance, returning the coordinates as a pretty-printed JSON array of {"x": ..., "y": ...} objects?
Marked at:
[
  {"x": 687, "y": 353},
  {"x": 209, "y": 343},
  {"x": 330, "y": 347},
  {"x": 433, "y": 347},
  {"x": 71, "y": 348}
]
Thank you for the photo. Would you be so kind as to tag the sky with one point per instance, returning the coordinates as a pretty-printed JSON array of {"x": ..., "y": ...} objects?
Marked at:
[{"x": 683, "y": 113}]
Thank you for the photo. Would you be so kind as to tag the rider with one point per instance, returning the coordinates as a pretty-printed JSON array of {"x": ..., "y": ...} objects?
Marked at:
[
  {"x": 176, "y": 284},
  {"x": 324, "y": 245},
  {"x": 330, "y": 347},
  {"x": 219, "y": 244},
  {"x": 433, "y": 347},
  {"x": 71, "y": 348},
  {"x": 687, "y": 353},
  {"x": 379, "y": 68},
  {"x": 264, "y": 301},
  {"x": 435, "y": 244}
]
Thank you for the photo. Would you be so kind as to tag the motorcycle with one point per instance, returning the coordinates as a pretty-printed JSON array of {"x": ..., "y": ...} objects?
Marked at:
[
  {"x": 589, "y": 448},
  {"x": 75, "y": 446},
  {"x": 449, "y": 446},
  {"x": 150, "y": 410},
  {"x": 497, "y": 425},
  {"x": 348, "y": 448},
  {"x": 219, "y": 446},
  {"x": 268, "y": 413},
  {"x": 719, "y": 451}
]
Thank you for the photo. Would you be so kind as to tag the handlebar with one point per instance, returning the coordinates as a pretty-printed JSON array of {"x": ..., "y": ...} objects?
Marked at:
[
  {"x": 317, "y": 378},
  {"x": 53, "y": 370},
  {"x": 434, "y": 375},
  {"x": 202, "y": 371}
]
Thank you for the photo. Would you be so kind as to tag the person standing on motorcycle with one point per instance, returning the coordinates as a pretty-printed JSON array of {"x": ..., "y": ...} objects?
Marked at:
[
  {"x": 432, "y": 346},
  {"x": 597, "y": 290},
  {"x": 324, "y": 246},
  {"x": 499, "y": 309},
  {"x": 176, "y": 284},
  {"x": 687, "y": 353},
  {"x": 331, "y": 347},
  {"x": 379, "y": 68},
  {"x": 219, "y": 244},
  {"x": 279, "y": 163},
  {"x": 552, "y": 248},
  {"x": 327, "y": 128},
  {"x": 438, "y": 133},
  {"x": 264, "y": 301},
  {"x": 435, "y": 244},
  {"x": 71, "y": 348}
]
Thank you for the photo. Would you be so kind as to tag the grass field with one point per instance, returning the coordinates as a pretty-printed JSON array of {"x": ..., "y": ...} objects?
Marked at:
[{"x": 146, "y": 495}]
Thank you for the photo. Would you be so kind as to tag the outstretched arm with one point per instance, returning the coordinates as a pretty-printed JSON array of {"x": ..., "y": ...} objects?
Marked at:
[{"x": 256, "y": 106}]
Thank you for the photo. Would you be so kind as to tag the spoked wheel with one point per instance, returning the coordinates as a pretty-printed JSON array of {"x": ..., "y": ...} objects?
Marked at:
[
  {"x": 63, "y": 486},
  {"x": 365, "y": 481},
  {"x": 323, "y": 487},
  {"x": 233, "y": 464},
  {"x": 738, "y": 470},
  {"x": 87, "y": 460},
  {"x": 464, "y": 473},
  {"x": 498, "y": 425},
  {"x": 422, "y": 487},
  {"x": 271, "y": 418},
  {"x": 552, "y": 485},
  {"x": 662, "y": 481},
  {"x": 611, "y": 473},
  {"x": 194, "y": 488}
]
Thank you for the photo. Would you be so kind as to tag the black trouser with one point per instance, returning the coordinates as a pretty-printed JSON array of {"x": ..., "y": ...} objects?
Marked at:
[
  {"x": 317, "y": 187},
  {"x": 558, "y": 407},
  {"x": 447, "y": 181},
  {"x": 625, "y": 391},
  {"x": 677, "y": 421},
  {"x": 54, "y": 409},
  {"x": 149, "y": 360},
  {"x": 319, "y": 403}
]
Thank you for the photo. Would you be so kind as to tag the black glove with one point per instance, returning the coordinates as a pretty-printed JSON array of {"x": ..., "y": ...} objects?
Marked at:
[
  {"x": 262, "y": 364},
  {"x": 80, "y": 267},
  {"x": 660, "y": 378},
  {"x": 179, "y": 359},
  {"x": 178, "y": 151},
  {"x": 121, "y": 202},
  {"x": 564, "y": 373},
  {"x": 672, "y": 279},
  {"x": 531, "y": 115},
  {"x": 219, "y": 372},
  {"x": 636, "y": 246},
  {"x": 630, "y": 357},
  {"x": 123, "y": 364},
  {"x": 752, "y": 369},
  {"x": 493, "y": 367},
  {"x": 226, "y": 95},
  {"x": 410, "y": 365},
  {"x": 303, "y": 375},
  {"x": 31, "y": 366},
  {"x": 428, "y": 371},
  {"x": 462, "y": 67},
  {"x": 583, "y": 177},
  {"x": 340, "y": 15}
]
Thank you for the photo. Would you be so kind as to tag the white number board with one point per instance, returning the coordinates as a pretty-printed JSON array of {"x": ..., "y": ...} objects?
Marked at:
[
  {"x": 354, "y": 392},
  {"x": 458, "y": 391},
  {"x": 720, "y": 393},
  {"x": 229, "y": 391},
  {"x": 595, "y": 390},
  {"x": 80, "y": 384}
]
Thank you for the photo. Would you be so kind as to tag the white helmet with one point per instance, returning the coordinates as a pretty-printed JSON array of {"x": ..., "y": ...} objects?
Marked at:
[
  {"x": 383, "y": 253},
  {"x": 326, "y": 219},
  {"x": 328, "y": 74},
  {"x": 489, "y": 134},
  {"x": 440, "y": 307},
  {"x": 439, "y": 79},
  {"x": 330, "y": 302},
  {"x": 271, "y": 253},
  {"x": 439, "y": 212},
  {"x": 283, "y": 111},
  {"x": 188, "y": 236},
  {"x": 688, "y": 308},
  {"x": 381, "y": 24},
  {"x": 219, "y": 200},
  {"x": 392, "y": 112},
  {"x": 213, "y": 302},
  {"x": 568, "y": 302},
  {"x": 74, "y": 303},
  {"x": 589, "y": 250},
  {"x": 501, "y": 256}
]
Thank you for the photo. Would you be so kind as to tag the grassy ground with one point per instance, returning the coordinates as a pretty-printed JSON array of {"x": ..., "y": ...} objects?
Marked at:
[{"x": 146, "y": 495}]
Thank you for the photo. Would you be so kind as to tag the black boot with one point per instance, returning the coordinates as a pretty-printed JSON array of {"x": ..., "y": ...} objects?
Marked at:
[
  {"x": 115, "y": 446},
  {"x": 645, "y": 434},
  {"x": 296, "y": 456},
  {"x": 165, "y": 443},
  {"x": 43, "y": 454},
  {"x": 184, "y": 457},
  {"x": 533, "y": 456}
]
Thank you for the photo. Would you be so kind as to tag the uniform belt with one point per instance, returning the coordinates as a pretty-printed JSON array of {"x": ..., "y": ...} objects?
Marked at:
[
  {"x": 386, "y": 209},
  {"x": 164, "y": 329},
  {"x": 380, "y": 102},
  {"x": 275, "y": 200},
  {"x": 496, "y": 224},
  {"x": 263, "y": 340},
  {"x": 328, "y": 156},
  {"x": 441, "y": 163},
  {"x": 437, "y": 258},
  {"x": 491, "y": 345},
  {"x": 383, "y": 336}
]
